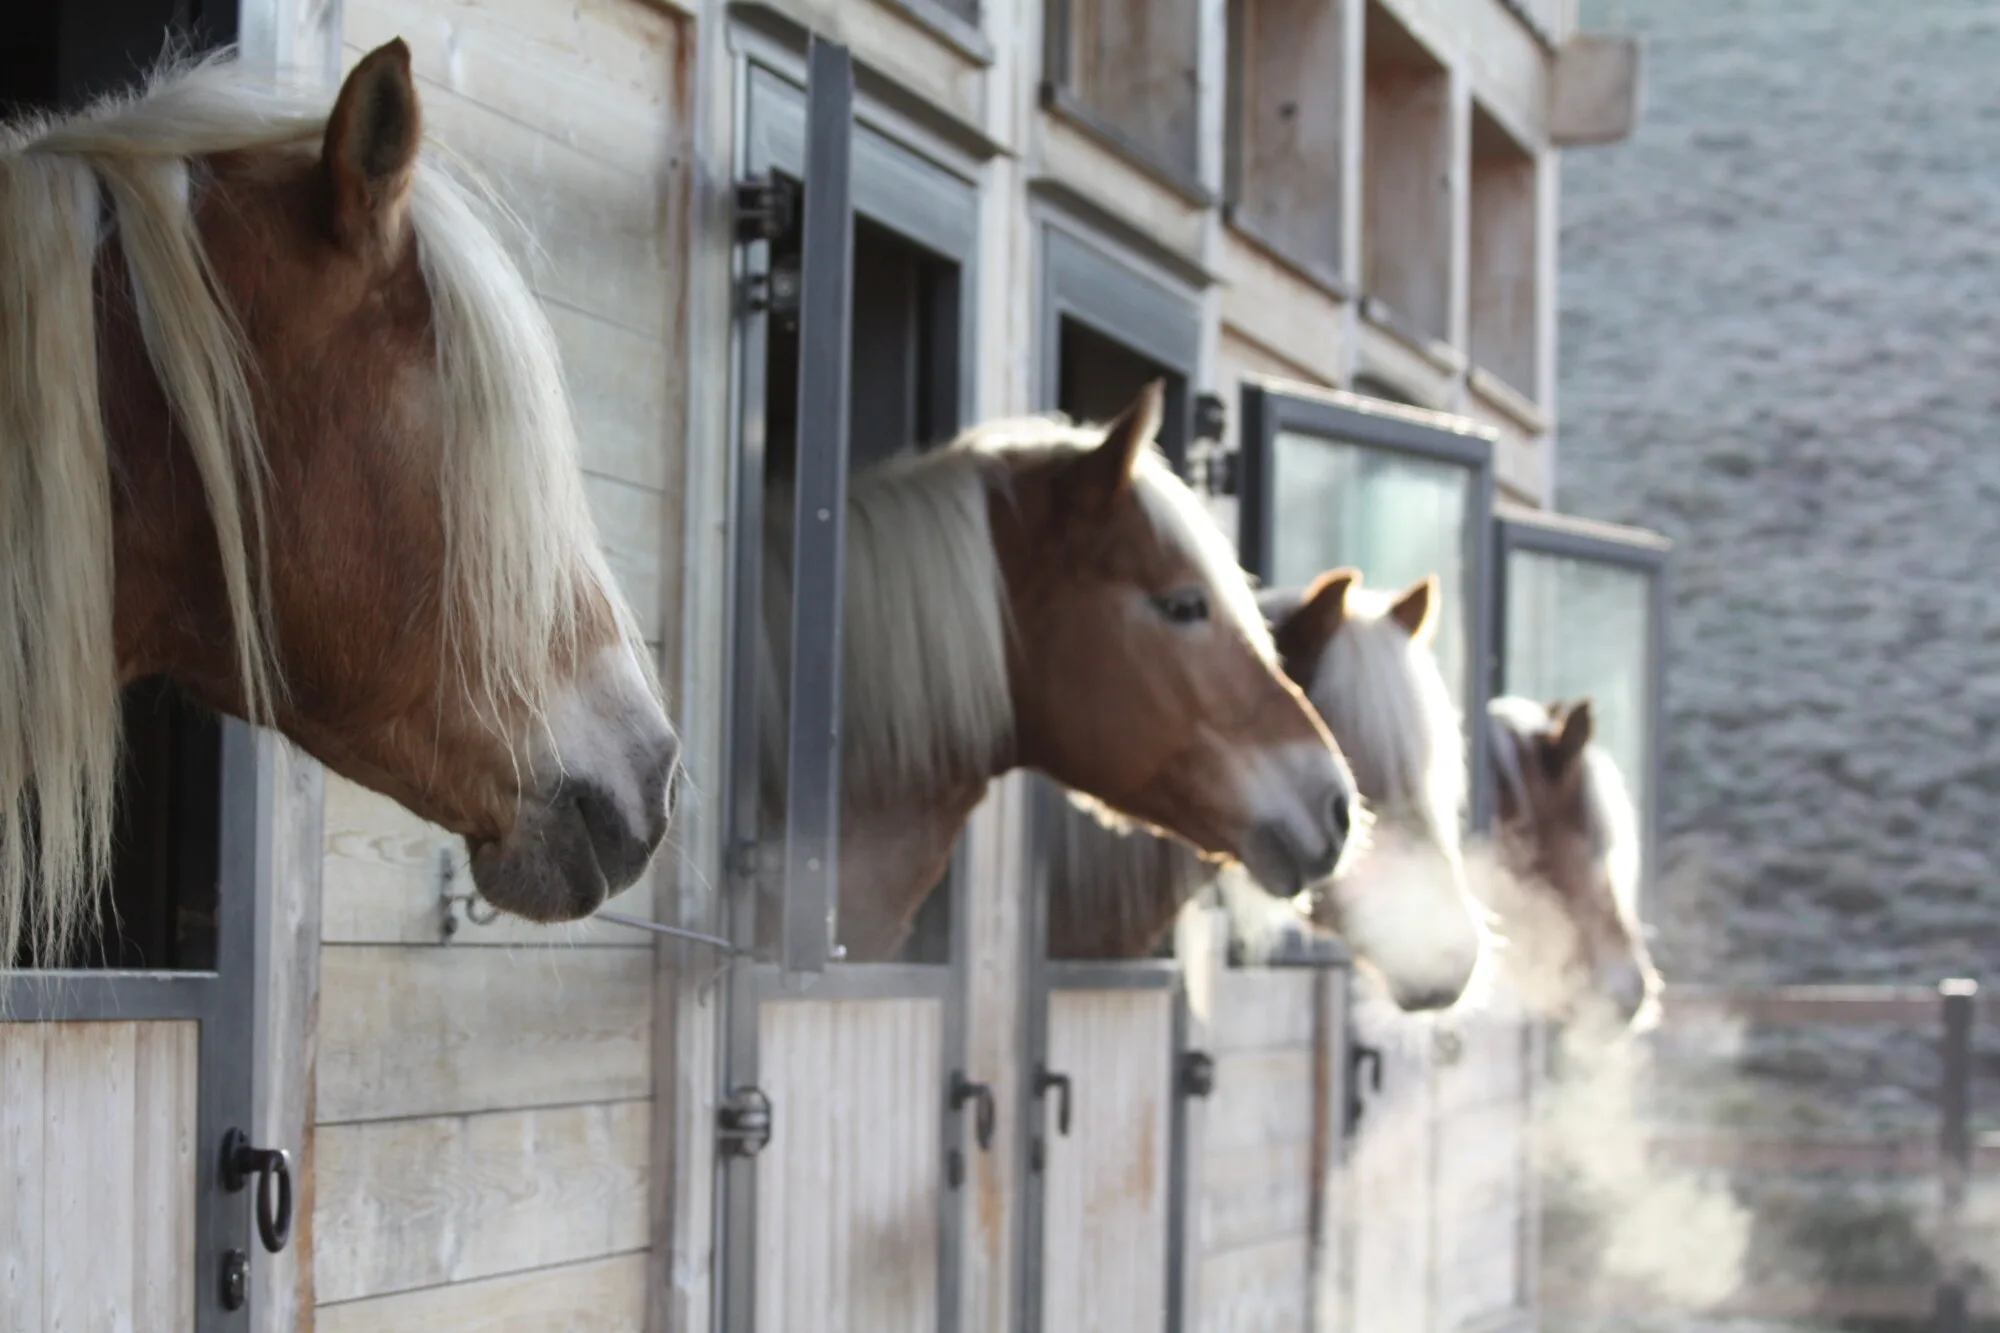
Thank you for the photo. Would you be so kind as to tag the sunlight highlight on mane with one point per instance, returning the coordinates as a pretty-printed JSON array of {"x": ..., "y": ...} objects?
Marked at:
[
  {"x": 1385, "y": 698},
  {"x": 519, "y": 539}
]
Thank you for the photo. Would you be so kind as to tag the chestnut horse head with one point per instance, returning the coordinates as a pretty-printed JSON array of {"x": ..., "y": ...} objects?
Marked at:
[
  {"x": 1569, "y": 844},
  {"x": 1365, "y": 660},
  {"x": 1048, "y": 596},
  {"x": 283, "y": 422}
]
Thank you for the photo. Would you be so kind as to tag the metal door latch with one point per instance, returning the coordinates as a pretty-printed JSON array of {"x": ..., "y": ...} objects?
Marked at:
[
  {"x": 1197, "y": 1074},
  {"x": 743, "y": 1122},
  {"x": 766, "y": 207},
  {"x": 1358, "y": 1058}
]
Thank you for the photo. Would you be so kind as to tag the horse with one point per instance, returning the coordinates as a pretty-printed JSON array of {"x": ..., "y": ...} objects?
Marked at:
[
  {"x": 1041, "y": 595},
  {"x": 1363, "y": 658},
  {"x": 1566, "y": 837},
  {"x": 281, "y": 421}
]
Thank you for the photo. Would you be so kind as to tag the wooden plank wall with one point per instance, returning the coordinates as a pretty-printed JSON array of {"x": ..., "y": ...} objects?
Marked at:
[
  {"x": 97, "y": 1176},
  {"x": 1483, "y": 1191},
  {"x": 1440, "y": 1190},
  {"x": 1253, "y": 1184},
  {"x": 1104, "y": 1210},
  {"x": 849, "y": 1190},
  {"x": 483, "y": 1108}
]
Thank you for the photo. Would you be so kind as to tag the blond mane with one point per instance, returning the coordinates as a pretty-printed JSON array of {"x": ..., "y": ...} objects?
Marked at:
[
  {"x": 1383, "y": 695},
  {"x": 518, "y": 537}
]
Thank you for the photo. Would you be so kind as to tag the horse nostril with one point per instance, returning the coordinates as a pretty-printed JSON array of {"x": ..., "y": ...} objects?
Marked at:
[
  {"x": 1341, "y": 817},
  {"x": 662, "y": 788}
]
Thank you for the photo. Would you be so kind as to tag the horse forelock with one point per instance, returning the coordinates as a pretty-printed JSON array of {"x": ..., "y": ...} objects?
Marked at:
[
  {"x": 1386, "y": 701},
  {"x": 519, "y": 539}
]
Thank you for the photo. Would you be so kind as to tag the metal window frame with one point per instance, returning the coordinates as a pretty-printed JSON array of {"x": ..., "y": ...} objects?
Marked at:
[
  {"x": 222, "y": 1003},
  {"x": 1273, "y": 406},
  {"x": 897, "y": 185},
  {"x": 1639, "y": 550},
  {"x": 1084, "y": 281}
]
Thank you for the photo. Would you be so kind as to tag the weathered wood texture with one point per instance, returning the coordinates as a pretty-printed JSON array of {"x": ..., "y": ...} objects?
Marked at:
[
  {"x": 1482, "y": 1189},
  {"x": 1254, "y": 1182},
  {"x": 1391, "y": 1182},
  {"x": 602, "y": 1296},
  {"x": 1292, "y": 145},
  {"x": 849, "y": 1189},
  {"x": 405, "y": 1204},
  {"x": 1132, "y": 63},
  {"x": 1105, "y": 1198},
  {"x": 1406, "y": 192},
  {"x": 97, "y": 1176},
  {"x": 1504, "y": 264},
  {"x": 448, "y": 1031},
  {"x": 1440, "y": 1185},
  {"x": 286, "y": 1037}
]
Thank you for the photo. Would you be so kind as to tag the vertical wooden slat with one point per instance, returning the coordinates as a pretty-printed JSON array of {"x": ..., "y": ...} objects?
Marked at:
[
  {"x": 164, "y": 1179},
  {"x": 1104, "y": 1231},
  {"x": 848, "y": 1191},
  {"x": 88, "y": 1209},
  {"x": 23, "y": 1052}
]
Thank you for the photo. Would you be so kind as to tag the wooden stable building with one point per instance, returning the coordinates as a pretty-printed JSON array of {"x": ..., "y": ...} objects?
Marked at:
[{"x": 1331, "y": 227}]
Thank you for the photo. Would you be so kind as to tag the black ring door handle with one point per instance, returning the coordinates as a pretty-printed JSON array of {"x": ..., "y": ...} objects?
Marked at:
[
  {"x": 273, "y": 1169},
  {"x": 964, "y": 1090},
  {"x": 1045, "y": 1079}
]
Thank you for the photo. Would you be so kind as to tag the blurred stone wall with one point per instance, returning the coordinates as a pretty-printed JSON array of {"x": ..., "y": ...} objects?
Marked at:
[{"x": 1781, "y": 347}]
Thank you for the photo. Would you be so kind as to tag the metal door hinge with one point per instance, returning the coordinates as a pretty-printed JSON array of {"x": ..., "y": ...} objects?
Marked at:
[
  {"x": 766, "y": 208},
  {"x": 1211, "y": 417},
  {"x": 743, "y": 1122},
  {"x": 1197, "y": 1074}
]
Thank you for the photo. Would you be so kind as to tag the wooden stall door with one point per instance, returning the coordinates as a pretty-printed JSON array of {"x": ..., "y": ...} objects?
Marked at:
[
  {"x": 1267, "y": 1178},
  {"x": 1106, "y": 1196},
  {"x": 1391, "y": 1173},
  {"x": 118, "y": 1088},
  {"x": 848, "y": 1219},
  {"x": 1484, "y": 1192},
  {"x": 98, "y": 1169}
]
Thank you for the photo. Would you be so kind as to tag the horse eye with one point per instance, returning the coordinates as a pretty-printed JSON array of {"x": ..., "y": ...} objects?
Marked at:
[{"x": 1185, "y": 607}]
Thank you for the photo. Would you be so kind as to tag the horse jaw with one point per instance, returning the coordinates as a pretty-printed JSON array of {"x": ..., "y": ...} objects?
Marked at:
[{"x": 599, "y": 799}]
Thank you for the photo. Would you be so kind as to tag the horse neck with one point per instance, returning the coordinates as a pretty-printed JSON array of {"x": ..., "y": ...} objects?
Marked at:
[
  {"x": 1114, "y": 893},
  {"x": 891, "y": 856}
]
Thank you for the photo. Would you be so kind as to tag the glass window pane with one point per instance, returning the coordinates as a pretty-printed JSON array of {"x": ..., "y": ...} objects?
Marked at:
[
  {"x": 1394, "y": 517},
  {"x": 1583, "y": 627}
]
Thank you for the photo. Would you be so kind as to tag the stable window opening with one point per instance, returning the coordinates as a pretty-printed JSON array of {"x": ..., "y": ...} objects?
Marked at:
[
  {"x": 1129, "y": 71},
  {"x": 1504, "y": 288},
  {"x": 1288, "y": 140},
  {"x": 1406, "y": 182}
]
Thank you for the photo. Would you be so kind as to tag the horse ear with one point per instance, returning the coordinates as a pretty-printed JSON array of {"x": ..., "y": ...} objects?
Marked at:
[
  {"x": 1574, "y": 728},
  {"x": 1304, "y": 634},
  {"x": 370, "y": 151},
  {"x": 1098, "y": 478},
  {"x": 1416, "y": 609}
]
